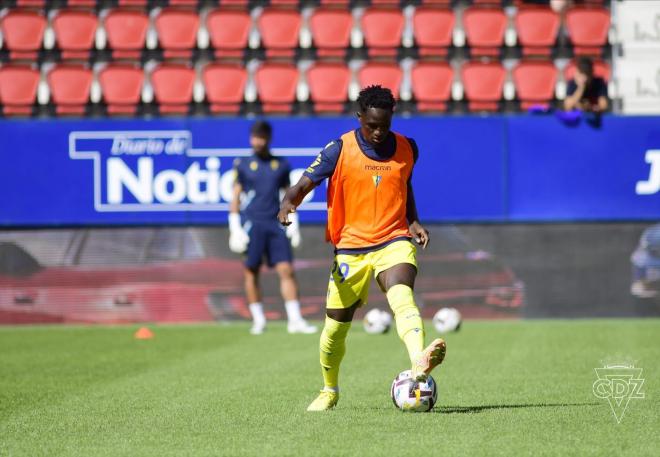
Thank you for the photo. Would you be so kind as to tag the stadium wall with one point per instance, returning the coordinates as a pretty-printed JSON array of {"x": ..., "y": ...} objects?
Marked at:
[
  {"x": 124, "y": 221},
  {"x": 471, "y": 169}
]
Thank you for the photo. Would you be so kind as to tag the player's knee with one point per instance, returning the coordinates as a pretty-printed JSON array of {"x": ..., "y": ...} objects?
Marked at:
[{"x": 344, "y": 314}]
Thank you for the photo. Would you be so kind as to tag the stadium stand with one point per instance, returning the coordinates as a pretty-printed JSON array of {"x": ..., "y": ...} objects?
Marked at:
[{"x": 414, "y": 44}]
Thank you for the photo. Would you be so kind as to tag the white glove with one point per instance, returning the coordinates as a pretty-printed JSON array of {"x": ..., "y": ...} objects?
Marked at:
[
  {"x": 238, "y": 237},
  {"x": 293, "y": 230}
]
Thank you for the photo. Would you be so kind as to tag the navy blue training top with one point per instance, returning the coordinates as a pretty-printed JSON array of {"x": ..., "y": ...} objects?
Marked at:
[
  {"x": 595, "y": 89},
  {"x": 261, "y": 179},
  {"x": 324, "y": 165}
]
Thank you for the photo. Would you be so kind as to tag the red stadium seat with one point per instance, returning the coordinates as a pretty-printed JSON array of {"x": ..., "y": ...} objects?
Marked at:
[
  {"x": 601, "y": 69},
  {"x": 173, "y": 87},
  {"x": 177, "y": 32},
  {"x": 279, "y": 29},
  {"x": 23, "y": 33},
  {"x": 18, "y": 89},
  {"x": 127, "y": 32},
  {"x": 328, "y": 86},
  {"x": 433, "y": 28},
  {"x": 382, "y": 28},
  {"x": 229, "y": 30},
  {"x": 75, "y": 31},
  {"x": 535, "y": 83},
  {"x": 331, "y": 31},
  {"x": 483, "y": 84},
  {"x": 122, "y": 86},
  {"x": 537, "y": 30},
  {"x": 69, "y": 88},
  {"x": 141, "y": 3},
  {"x": 386, "y": 74},
  {"x": 588, "y": 29},
  {"x": 484, "y": 30},
  {"x": 431, "y": 85},
  {"x": 276, "y": 85},
  {"x": 225, "y": 86}
]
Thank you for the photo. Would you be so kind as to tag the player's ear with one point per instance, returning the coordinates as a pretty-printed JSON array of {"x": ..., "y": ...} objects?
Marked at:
[{"x": 359, "y": 114}]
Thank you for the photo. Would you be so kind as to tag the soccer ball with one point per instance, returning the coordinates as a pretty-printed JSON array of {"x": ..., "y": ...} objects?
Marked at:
[
  {"x": 447, "y": 320},
  {"x": 377, "y": 321},
  {"x": 411, "y": 395}
]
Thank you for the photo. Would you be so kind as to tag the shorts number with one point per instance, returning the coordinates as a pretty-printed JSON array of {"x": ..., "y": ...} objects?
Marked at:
[{"x": 343, "y": 270}]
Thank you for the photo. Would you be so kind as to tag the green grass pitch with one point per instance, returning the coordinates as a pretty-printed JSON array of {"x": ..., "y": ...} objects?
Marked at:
[{"x": 506, "y": 388}]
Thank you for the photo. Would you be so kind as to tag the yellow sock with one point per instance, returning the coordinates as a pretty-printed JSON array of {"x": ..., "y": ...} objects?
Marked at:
[
  {"x": 332, "y": 349},
  {"x": 409, "y": 324}
]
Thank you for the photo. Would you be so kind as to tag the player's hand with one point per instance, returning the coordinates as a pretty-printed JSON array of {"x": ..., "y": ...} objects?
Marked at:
[
  {"x": 286, "y": 209},
  {"x": 420, "y": 234},
  {"x": 293, "y": 230},
  {"x": 238, "y": 237}
]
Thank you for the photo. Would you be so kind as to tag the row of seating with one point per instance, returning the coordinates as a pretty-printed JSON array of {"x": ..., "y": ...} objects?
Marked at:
[
  {"x": 229, "y": 32},
  {"x": 173, "y": 88}
]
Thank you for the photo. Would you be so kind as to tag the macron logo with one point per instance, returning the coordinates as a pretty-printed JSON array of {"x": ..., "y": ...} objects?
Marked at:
[{"x": 377, "y": 167}]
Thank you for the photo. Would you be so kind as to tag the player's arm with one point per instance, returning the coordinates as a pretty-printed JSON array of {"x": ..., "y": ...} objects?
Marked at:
[
  {"x": 323, "y": 167},
  {"x": 235, "y": 205},
  {"x": 238, "y": 237},
  {"x": 575, "y": 92},
  {"x": 419, "y": 233}
]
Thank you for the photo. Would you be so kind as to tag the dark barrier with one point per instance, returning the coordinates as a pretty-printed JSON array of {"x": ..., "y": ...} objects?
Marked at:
[
  {"x": 471, "y": 169},
  {"x": 184, "y": 274}
]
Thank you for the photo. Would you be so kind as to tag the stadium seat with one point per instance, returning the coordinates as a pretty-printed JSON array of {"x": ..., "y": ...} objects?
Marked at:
[
  {"x": 177, "y": 32},
  {"x": 386, "y": 74},
  {"x": 331, "y": 31},
  {"x": 173, "y": 87},
  {"x": 279, "y": 29},
  {"x": 484, "y": 30},
  {"x": 276, "y": 86},
  {"x": 601, "y": 69},
  {"x": 122, "y": 87},
  {"x": 483, "y": 84},
  {"x": 433, "y": 28},
  {"x": 588, "y": 28},
  {"x": 328, "y": 86},
  {"x": 127, "y": 32},
  {"x": 18, "y": 89},
  {"x": 229, "y": 30},
  {"x": 23, "y": 33},
  {"x": 225, "y": 86},
  {"x": 69, "y": 88},
  {"x": 431, "y": 85},
  {"x": 535, "y": 83},
  {"x": 382, "y": 29},
  {"x": 537, "y": 29},
  {"x": 75, "y": 31}
]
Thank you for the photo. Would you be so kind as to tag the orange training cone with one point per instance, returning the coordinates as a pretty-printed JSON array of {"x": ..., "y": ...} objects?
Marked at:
[{"x": 144, "y": 333}]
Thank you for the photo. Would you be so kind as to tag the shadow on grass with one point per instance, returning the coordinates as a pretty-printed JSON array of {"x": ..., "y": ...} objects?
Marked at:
[{"x": 482, "y": 408}]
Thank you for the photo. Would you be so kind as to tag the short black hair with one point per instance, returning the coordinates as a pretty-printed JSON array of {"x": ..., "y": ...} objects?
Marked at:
[
  {"x": 376, "y": 96},
  {"x": 586, "y": 66},
  {"x": 261, "y": 129}
]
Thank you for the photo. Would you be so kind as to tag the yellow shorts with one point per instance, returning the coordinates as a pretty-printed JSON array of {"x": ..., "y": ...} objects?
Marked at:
[{"x": 351, "y": 273}]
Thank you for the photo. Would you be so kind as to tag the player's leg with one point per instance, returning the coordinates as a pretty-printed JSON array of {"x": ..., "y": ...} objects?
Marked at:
[
  {"x": 348, "y": 289},
  {"x": 396, "y": 269},
  {"x": 278, "y": 253},
  {"x": 253, "y": 258}
]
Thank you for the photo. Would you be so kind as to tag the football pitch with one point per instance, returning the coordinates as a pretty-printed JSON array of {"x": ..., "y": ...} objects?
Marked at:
[{"x": 506, "y": 388}]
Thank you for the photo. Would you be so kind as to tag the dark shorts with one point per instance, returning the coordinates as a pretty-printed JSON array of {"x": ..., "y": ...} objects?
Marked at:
[{"x": 267, "y": 240}]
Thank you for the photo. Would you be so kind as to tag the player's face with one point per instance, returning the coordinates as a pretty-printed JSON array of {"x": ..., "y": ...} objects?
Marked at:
[
  {"x": 259, "y": 144},
  {"x": 375, "y": 124}
]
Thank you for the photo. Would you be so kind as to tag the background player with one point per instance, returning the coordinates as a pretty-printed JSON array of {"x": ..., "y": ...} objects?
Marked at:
[
  {"x": 371, "y": 219},
  {"x": 259, "y": 180}
]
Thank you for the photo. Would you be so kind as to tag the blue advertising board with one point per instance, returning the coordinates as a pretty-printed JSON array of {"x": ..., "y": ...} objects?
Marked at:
[{"x": 178, "y": 171}]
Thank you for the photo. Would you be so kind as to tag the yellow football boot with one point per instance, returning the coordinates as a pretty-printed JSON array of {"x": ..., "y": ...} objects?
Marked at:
[
  {"x": 326, "y": 400},
  {"x": 430, "y": 358}
]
